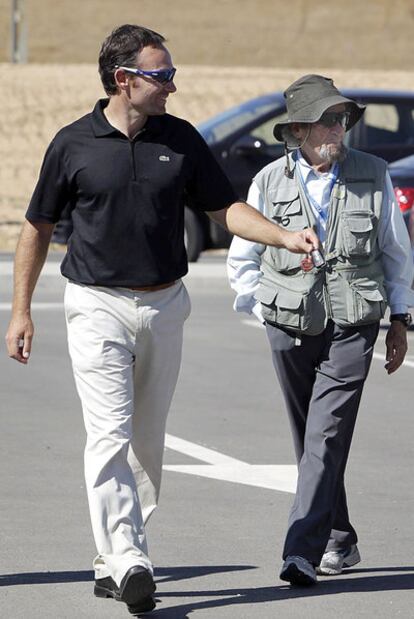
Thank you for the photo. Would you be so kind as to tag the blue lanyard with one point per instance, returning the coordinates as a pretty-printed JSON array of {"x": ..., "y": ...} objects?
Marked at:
[{"x": 323, "y": 213}]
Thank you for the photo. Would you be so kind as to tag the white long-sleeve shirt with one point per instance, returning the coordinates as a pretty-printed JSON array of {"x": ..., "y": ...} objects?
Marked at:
[{"x": 244, "y": 258}]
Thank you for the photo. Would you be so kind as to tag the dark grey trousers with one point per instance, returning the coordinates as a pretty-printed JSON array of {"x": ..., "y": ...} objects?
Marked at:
[{"x": 322, "y": 382}]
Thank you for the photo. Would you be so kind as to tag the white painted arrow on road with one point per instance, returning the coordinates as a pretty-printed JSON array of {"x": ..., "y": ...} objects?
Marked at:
[{"x": 280, "y": 477}]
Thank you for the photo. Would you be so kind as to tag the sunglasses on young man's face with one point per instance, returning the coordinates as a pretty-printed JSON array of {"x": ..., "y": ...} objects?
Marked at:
[
  {"x": 162, "y": 76},
  {"x": 330, "y": 119}
]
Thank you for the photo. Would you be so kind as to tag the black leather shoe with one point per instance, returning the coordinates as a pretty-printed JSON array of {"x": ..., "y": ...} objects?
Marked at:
[
  {"x": 145, "y": 606},
  {"x": 106, "y": 588},
  {"x": 136, "y": 585},
  {"x": 136, "y": 588}
]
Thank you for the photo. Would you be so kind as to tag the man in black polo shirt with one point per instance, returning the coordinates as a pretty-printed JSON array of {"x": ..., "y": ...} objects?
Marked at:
[{"x": 126, "y": 171}]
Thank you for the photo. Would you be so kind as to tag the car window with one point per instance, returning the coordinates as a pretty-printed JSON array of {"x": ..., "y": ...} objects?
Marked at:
[
  {"x": 264, "y": 131},
  {"x": 230, "y": 121},
  {"x": 386, "y": 124},
  {"x": 382, "y": 117}
]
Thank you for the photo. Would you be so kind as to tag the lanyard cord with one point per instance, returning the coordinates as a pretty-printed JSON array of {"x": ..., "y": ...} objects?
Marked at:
[{"x": 323, "y": 213}]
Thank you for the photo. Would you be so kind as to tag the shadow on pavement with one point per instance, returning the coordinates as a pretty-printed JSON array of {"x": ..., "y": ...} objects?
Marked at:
[
  {"x": 170, "y": 574},
  {"x": 44, "y": 578},
  {"x": 355, "y": 581},
  {"x": 162, "y": 574},
  {"x": 326, "y": 586}
]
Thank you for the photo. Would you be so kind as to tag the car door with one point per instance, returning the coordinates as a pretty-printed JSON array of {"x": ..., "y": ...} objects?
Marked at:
[{"x": 386, "y": 129}]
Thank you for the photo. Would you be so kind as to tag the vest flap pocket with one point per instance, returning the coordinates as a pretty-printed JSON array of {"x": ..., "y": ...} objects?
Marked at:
[
  {"x": 298, "y": 308},
  {"x": 370, "y": 295},
  {"x": 286, "y": 299},
  {"x": 368, "y": 290},
  {"x": 265, "y": 295},
  {"x": 294, "y": 208},
  {"x": 284, "y": 194},
  {"x": 285, "y": 209},
  {"x": 359, "y": 223},
  {"x": 358, "y": 233},
  {"x": 369, "y": 302},
  {"x": 289, "y": 299},
  {"x": 285, "y": 202}
]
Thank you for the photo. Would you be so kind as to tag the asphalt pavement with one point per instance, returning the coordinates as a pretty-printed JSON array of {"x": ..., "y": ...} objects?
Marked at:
[{"x": 217, "y": 537}]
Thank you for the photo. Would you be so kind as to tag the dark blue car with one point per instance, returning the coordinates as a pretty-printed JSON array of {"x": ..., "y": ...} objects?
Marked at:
[{"x": 241, "y": 139}]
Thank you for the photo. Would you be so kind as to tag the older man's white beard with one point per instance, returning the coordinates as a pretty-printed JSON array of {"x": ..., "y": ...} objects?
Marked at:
[{"x": 332, "y": 152}]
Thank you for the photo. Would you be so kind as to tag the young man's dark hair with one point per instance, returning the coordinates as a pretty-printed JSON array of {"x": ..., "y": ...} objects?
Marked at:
[{"x": 121, "y": 48}]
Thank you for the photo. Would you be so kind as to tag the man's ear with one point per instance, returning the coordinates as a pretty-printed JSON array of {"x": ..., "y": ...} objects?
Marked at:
[
  {"x": 296, "y": 129},
  {"x": 122, "y": 79}
]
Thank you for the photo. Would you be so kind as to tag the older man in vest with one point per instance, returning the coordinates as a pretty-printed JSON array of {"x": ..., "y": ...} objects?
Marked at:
[{"x": 322, "y": 312}]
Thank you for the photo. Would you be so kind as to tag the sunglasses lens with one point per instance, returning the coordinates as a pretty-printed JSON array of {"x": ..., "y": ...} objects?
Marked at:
[
  {"x": 163, "y": 77},
  {"x": 330, "y": 119}
]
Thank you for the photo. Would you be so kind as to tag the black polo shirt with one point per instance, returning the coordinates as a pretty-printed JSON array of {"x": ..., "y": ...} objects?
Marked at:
[{"x": 127, "y": 197}]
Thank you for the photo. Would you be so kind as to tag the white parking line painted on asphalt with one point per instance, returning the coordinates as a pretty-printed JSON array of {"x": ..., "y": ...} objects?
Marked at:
[
  {"x": 198, "y": 270},
  {"x": 253, "y": 323},
  {"x": 195, "y": 269},
  {"x": 407, "y": 362},
  {"x": 281, "y": 477},
  {"x": 198, "y": 451},
  {"x": 380, "y": 357},
  {"x": 50, "y": 269},
  {"x": 207, "y": 270},
  {"x": 6, "y": 307}
]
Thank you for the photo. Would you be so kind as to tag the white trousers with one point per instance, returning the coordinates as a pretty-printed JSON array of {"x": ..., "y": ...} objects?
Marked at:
[{"x": 125, "y": 348}]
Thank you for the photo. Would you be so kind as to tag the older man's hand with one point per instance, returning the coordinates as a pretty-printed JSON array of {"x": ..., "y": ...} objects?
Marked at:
[{"x": 396, "y": 343}]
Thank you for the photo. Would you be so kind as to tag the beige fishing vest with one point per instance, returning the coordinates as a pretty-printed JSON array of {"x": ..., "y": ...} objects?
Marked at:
[{"x": 350, "y": 289}]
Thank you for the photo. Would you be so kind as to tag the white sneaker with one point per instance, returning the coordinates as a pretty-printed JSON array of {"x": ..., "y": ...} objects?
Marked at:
[
  {"x": 298, "y": 571},
  {"x": 334, "y": 561}
]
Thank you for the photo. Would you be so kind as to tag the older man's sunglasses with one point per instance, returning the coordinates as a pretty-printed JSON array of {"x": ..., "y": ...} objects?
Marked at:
[
  {"x": 162, "y": 76},
  {"x": 330, "y": 119}
]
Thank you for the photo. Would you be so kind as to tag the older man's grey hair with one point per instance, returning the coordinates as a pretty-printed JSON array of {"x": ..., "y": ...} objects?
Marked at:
[{"x": 289, "y": 138}]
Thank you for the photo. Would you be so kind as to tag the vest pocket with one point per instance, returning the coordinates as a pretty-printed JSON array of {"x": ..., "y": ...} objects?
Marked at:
[
  {"x": 288, "y": 215},
  {"x": 284, "y": 260},
  {"x": 368, "y": 301},
  {"x": 289, "y": 308},
  {"x": 358, "y": 231},
  {"x": 287, "y": 212},
  {"x": 281, "y": 306},
  {"x": 300, "y": 311}
]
